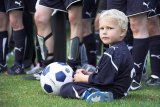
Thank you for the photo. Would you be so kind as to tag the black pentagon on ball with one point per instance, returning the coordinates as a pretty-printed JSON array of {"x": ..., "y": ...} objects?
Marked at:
[
  {"x": 48, "y": 88},
  {"x": 60, "y": 76}
]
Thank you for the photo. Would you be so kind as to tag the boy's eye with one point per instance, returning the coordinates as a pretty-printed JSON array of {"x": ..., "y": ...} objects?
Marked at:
[
  {"x": 109, "y": 28},
  {"x": 101, "y": 28}
]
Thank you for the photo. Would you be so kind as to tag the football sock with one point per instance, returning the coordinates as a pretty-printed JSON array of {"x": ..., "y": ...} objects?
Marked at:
[
  {"x": 98, "y": 44},
  {"x": 3, "y": 46},
  {"x": 19, "y": 38},
  {"x": 154, "y": 48},
  {"x": 90, "y": 44},
  {"x": 139, "y": 53}
]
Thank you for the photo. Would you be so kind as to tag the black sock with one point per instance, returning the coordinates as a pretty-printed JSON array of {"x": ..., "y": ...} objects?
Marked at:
[
  {"x": 90, "y": 44},
  {"x": 139, "y": 53},
  {"x": 3, "y": 47},
  {"x": 19, "y": 38},
  {"x": 98, "y": 44},
  {"x": 154, "y": 48}
]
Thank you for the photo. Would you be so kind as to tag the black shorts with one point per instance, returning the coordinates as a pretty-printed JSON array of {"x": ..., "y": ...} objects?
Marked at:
[
  {"x": 61, "y": 5},
  {"x": 29, "y": 5},
  {"x": 89, "y": 8},
  {"x": 2, "y": 6},
  {"x": 130, "y": 7},
  {"x": 8, "y": 5},
  {"x": 155, "y": 8},
  {"x": 102, "y": 5}
]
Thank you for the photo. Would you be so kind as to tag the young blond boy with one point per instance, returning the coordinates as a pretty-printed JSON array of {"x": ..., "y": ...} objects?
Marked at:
[{"x": 115, "y": 70}]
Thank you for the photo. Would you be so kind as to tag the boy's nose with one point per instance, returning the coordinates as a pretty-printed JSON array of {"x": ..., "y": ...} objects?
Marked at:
[{"x": 104, "y": 32}]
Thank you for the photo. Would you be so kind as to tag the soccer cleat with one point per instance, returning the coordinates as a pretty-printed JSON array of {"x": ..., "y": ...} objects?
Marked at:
[
  {"x": 135, "y": 85},
  {"x": 100, "y": 96},
  {"x": 15, "y": 70},
  {"x": 152, "y": 81},
  {"x": 3, "y": 68}
]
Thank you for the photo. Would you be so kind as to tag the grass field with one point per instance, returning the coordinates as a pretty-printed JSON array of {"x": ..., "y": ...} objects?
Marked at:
[{"x": 16, "y": 92}]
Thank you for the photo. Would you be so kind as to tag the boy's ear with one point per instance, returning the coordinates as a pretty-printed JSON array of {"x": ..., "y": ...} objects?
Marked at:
[{"x": 124, "y": 32}]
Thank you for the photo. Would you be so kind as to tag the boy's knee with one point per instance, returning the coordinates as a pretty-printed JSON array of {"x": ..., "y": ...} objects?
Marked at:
[{"x": 65, "y": 90}]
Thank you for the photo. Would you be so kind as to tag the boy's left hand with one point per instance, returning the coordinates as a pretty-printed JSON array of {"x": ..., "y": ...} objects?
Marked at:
[{"x": 80, "y": 77}]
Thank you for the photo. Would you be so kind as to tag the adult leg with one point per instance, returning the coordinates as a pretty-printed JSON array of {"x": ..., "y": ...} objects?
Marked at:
[
  {"x": 19, "y": 37},
  {"x": 89, "y": 41},
  {"x": 43, "y": 23},
  {"x": 75, "y": 19},
  {"x": 3, "y": 41},
  {"x": 140, "y": 45},
  {"x": 154, "y": 48}
]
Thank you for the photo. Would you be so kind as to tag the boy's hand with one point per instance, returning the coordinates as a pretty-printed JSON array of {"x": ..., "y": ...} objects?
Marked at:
[
  {"x": 80, "y": 76},
  {"x": 82, "y": 71},
  {"x": 85, "y": 72}
]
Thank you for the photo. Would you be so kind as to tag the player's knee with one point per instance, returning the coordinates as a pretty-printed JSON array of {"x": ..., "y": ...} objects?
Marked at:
[
  {"x": 153, "y": 26},
  {"x": 73, "y": 19},
  {"x": 138, "y": 23},
  {"x": 16, "y": 24},
  {"x": 16, "y": 20},
  {"x": 40, "y": 19}
]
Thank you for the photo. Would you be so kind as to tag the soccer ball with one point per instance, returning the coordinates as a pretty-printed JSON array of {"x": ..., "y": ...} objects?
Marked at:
[{"x": 54, "y": 76}]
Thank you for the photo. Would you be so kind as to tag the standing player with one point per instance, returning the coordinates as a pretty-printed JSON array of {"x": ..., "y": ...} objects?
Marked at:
[
  {"x": 154, "y": 43},
  {"x": 14, "y": 9},
  {"x": 115, "y": 70},
  {"x": 137, "y": 11},
  {"x": 43, "y": 22}
]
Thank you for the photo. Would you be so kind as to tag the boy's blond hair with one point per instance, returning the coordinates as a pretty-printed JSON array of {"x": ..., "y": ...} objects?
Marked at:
[{"x": 117, "y": 15}]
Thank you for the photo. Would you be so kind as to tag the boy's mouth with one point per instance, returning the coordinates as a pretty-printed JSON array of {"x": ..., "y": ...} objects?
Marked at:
[{"x": 105, "y": 38}]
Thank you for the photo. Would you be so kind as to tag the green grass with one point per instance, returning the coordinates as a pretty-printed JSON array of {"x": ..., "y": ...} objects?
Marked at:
[{"x": 16, "y": 92}]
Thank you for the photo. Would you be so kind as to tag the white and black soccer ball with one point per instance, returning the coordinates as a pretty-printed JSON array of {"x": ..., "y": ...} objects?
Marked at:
[{"x": 54, "y": 76}]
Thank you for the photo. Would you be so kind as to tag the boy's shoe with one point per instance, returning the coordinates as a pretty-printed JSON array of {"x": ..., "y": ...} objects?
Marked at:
[
  {"x": 15, "y": 70},
  {"x": 100, "y": 96},
  {"x": 3, "y": 68},
  {"x": 153, "y": 81},
  {"x": 135, "y": 85}
]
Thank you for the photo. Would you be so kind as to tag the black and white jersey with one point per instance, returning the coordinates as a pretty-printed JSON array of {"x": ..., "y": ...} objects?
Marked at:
[{"x": 115, "y": 70}]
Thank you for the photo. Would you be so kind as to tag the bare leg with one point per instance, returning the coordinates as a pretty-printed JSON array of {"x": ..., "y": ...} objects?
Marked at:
[{"x": 43, "y": 23}]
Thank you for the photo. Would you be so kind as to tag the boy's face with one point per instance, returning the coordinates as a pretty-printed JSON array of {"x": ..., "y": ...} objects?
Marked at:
[{"x": 110, "y": 32}]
